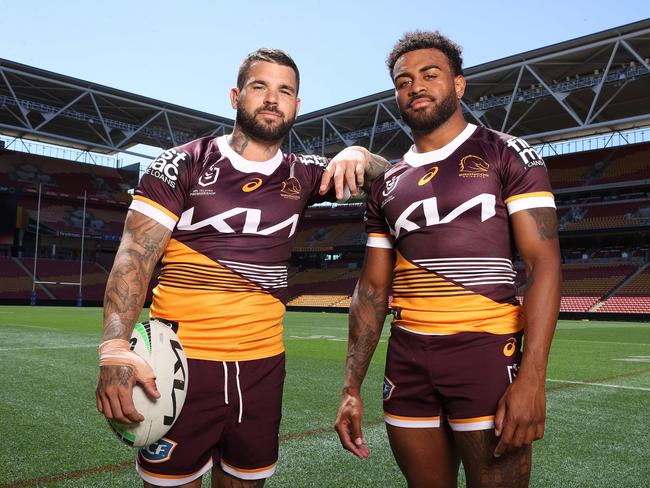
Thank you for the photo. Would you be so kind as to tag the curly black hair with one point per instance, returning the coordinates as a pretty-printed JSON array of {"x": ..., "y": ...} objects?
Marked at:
[{"x": 412, "y": 41}]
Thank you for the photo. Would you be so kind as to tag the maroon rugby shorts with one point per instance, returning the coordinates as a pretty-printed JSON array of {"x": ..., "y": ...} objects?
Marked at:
[
  {"x": 231, "y": 416},
  {"x": 459, "y": 376}
]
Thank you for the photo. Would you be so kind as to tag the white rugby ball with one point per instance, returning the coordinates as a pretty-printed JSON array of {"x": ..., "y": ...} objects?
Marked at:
[{"x": 157, "y": 343}]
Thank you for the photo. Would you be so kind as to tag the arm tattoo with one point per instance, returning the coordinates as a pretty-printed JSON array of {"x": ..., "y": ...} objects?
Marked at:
[
  {"x": 366, "y": 321},
  {"x": 376, "y": 167},
  {"x": 546, "y": 221},
  {"x": 142, "y": 245}
]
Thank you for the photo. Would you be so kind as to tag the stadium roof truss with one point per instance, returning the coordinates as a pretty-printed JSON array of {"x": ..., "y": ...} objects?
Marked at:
[
  {"x": 585, "y": 86},
  {"x": 52, "y": 108},
  {"x": 597, "y": 83}
]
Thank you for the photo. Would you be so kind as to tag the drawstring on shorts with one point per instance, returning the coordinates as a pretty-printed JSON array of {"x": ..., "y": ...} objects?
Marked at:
[{"x": 225, "y": 389}]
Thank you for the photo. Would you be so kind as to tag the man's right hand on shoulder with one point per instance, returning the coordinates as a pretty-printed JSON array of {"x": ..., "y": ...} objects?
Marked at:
[
  {"x": 120, "y": 369},
  {"x": 348, "y": 424}
]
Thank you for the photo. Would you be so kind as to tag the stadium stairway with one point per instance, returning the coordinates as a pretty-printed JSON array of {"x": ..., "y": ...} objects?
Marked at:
[
  {"x": 619, "y": 286},
  {"x": 28, "y": 272}
]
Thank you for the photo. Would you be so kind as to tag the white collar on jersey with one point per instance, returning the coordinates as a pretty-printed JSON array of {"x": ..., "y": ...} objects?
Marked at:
[
  {"x": 414, "y": 158},
  {"x": 244, "y": 165}
]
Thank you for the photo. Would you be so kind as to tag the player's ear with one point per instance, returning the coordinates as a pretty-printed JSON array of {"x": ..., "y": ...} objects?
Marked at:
[
  {"x": 297, "y": 105},
  {"x": 459, "y": 85},
  {"x": 234, "y": 96}
]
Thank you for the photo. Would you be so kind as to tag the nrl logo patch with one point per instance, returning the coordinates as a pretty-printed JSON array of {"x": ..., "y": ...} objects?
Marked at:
[
  {"x": 389, "y": 386},
  {"x": 390, "y": 185},
  {"x": 158, "y": 452},
  {"x": 210, "y": 176},
  {"x": 473, "y": 167}
]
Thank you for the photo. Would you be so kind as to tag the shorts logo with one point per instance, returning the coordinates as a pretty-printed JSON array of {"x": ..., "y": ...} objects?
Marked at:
[
  {"x": 165, "y": 166},
  {"x": 529, "y": 157},
  {"x": 473, "y": 167},
  {"x": 291, "y": 188},
  {"x": 510, "y": 347},
  {"x": 428, "y": 176},
  {"x": 389, "y": 387},
  {"x": 158, "y": 452},
  {"x": 390, "y": 185},
  {"x": 252, "y": 185}
]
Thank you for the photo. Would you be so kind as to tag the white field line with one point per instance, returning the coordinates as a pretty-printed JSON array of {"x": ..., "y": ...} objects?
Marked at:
[
  {"x": 69, "y": 346},
  {"x": 30, "y": 326},
  {"x": 602, "y": 342},
  {"x": 604, "y": 385}
]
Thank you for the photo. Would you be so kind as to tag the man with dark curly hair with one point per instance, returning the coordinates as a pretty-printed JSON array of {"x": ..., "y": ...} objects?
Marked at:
[{"x": 442, "y": 224}]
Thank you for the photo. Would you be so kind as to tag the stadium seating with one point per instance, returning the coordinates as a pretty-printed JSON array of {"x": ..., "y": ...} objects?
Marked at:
[
  {"x": 617, "y": 304},
  {"x": 593, "y": 279},
  {"x": 15, "y": 282},
  {"x": 62, "y": 178},
  {"x": 601, "y": 166},
  {"x": 629, "y": 163},
  {"x": 610, "y": 215}
]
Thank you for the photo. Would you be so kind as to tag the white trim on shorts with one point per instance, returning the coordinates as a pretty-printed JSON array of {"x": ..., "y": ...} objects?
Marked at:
[
  {"x": 248, "y": 474},
  {"x": 411, "y": 422},
  {"x": 170, "y": 480},
  {"x": 470, "y": 425}
]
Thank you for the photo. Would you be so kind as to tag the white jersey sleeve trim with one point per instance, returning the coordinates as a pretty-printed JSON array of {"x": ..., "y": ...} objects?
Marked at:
[
  {"x": 531, "y": 202},
  {"x": 154, "y": 213},
  {"x": 382, "y": 242}
]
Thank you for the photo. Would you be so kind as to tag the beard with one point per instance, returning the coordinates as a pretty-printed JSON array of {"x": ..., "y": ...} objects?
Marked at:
[
  {"x": 249, "y": 124},
  {"x": 424, "y": 120}
]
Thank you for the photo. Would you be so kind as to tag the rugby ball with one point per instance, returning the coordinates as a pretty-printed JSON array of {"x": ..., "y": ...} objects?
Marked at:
[{"x": 157, "y": 343}]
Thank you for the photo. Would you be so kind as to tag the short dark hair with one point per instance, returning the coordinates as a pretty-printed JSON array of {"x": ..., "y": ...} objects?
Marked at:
[
  {"x": 269, "y": 55},
  {"x": 414, "y": 40}
]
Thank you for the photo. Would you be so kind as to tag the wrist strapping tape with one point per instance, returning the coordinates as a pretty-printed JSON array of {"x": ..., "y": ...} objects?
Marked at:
[{"x": 116, "y": 352}]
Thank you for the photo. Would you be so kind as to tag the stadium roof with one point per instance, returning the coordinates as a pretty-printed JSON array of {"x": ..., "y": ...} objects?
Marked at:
[
  {"x": 592, "y": 84},
  {"x": 49, "y": 107}
]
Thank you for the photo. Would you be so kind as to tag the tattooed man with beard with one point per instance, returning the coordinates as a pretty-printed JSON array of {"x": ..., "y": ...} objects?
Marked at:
[{"x": 222, "y": 212}]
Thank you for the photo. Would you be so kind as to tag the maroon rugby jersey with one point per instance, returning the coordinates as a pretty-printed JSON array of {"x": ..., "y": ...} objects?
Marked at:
[
  {"x": 446, "y": 214},
  {"x": 233, "y": 223}
]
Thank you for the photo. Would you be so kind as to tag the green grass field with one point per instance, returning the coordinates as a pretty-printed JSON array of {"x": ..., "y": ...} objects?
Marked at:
[{"x": 598, "y": 427}]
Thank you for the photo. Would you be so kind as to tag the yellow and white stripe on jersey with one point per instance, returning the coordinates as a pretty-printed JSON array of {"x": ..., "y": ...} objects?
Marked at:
[
  {"x": 472, "y": 271},
  {"x": 540, "y": 199}
]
